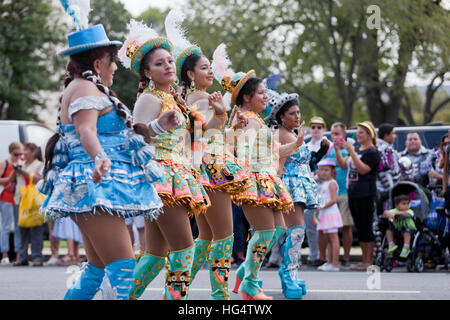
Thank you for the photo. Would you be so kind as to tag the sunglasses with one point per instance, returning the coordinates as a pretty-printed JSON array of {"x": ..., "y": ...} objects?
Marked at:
[
  {"x": 17, "y": 154},
  {"x": 317, "y": 127}
]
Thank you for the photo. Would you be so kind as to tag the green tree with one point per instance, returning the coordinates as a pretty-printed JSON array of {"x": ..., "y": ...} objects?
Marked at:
[
  {"x": 115, "y": 18},
  {"x": 328, "y": 51},
  {"x": 30, "y": 33}
]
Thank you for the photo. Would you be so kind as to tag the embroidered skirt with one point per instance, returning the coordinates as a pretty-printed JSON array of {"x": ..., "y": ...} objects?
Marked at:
[
  {"x": 265, "y": 190},
  {"x": 180, "y": 187},
  {"x": 303, "y": 190},
  {"x": 225, "y": 176},
  {"x": 124, "y": 191}
]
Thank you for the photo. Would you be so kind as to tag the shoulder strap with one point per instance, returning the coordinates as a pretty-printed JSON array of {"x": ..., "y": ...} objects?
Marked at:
[{"x": 6, "y": 168}]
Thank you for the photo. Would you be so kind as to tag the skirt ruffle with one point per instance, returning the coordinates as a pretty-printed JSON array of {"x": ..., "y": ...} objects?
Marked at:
[
  {"x": 124, "y": 191},
  {"x": 180, "y": 187},
  {"x": 225, "y": 176},
  {"x": 304, "y": 191},
  {"x": 264, "y": 190}
]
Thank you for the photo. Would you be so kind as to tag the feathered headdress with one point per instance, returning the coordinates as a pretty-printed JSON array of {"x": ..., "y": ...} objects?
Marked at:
[
  {"x": 230, "y": 81},
  {"x": 79, "y": 11},
  {"x": 182, "y": 48},
  {"x": 221, "y": 63},
  {"x": 85, "y": 38},
  {"x": 139, "y": 41}
]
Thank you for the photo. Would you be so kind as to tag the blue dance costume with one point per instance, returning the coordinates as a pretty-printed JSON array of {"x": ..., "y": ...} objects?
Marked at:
[
  {"x": 126, "y": 190},
  {"x": 298, "y": 179}
]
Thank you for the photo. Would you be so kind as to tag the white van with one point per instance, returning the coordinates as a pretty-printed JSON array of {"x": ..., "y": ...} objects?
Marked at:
[{"x": 22, "y": 131}]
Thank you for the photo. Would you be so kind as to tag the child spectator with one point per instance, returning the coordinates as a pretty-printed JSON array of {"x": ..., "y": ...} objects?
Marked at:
[
  {"x": 330, "y": 219},
  {"x": 400, "y": 220}
]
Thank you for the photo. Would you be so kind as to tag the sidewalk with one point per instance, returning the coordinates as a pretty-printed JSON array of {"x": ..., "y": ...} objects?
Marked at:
[{"x": 355, "y": 253}]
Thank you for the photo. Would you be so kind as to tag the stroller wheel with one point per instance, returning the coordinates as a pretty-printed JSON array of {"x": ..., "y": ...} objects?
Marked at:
[
  {"x": 388, "y": 264},
  {"x": 379, "y": 261},
  {"x": 410, "y": 264},
  {"x": 418, "y": 264}
]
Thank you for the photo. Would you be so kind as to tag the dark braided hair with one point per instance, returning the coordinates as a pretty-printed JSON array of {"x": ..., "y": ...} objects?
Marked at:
[
  {"x": 81, "y": 64},
  {"x": 188, "y": 65}
]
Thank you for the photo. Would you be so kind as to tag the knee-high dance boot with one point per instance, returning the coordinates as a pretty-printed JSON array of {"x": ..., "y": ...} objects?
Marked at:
[
  {"x": 87, "y": 285},
  {"x": 120, "y": 276},
  {"x": 178, "y": 276},
  {"x": 292, "y": 287},
  {"x": 147, "y": 268},
  {"x": 219, "y": 267},
  {"x": 240, "y": 272},
  {"x": 256, "y": 251},
  {"x": 202, "y": 251}
]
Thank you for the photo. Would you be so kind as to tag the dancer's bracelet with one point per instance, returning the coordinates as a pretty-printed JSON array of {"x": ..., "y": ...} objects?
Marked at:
[
  {"x": 156, "y": 127},
  {"x": 99, "y": 156}
]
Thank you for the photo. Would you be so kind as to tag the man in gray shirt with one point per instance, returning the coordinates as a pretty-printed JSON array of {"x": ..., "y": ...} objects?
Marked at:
[{"x": 419, "y": 156}]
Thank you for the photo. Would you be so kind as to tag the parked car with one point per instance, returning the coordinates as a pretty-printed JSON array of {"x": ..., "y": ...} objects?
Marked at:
[
  {"x": 22, "y": 131},
  {"x": 430, "y": 135}
]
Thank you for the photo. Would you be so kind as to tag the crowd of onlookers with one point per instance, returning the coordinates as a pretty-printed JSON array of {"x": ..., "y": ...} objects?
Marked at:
[{"x": 365, "y": 167}]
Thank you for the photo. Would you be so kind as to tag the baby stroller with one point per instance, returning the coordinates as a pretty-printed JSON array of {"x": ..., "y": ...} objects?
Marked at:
[
  {"x": 431, "y": 244},
  {"x": 419, "y": 204}
]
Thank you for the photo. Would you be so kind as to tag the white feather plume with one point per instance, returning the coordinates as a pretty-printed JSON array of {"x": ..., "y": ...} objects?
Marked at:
[
  {"x": 139, "y": 32},
  {"x": 79, "y": 11},
  {"x": 221, "y": 63},
  {"x": 174, "y": 31}
]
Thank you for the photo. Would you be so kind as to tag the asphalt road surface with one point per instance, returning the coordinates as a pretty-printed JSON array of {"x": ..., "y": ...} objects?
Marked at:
[{"x": 49, "y": 283}]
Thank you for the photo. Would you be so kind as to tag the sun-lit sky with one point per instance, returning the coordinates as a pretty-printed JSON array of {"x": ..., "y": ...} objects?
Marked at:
[{"x": 136, "y": 7}]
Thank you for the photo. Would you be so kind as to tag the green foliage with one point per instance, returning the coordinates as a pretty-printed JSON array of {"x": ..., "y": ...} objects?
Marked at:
[{"x": 30, "y": 32}]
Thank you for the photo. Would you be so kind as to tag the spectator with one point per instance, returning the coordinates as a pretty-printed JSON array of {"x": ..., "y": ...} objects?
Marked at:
[
  {"x": 437, "y": 173},
  {"x": 66, "y": 229},
  {"x": 54, "y": 246},
  {"x": 445, "y": 176},
  {"x": 389, "y": 171},
  {"x": 419, "y": 156},
  {"x": 338, "y": 132},
  {"x": 9, "y": 210},
  {"x": 33, "y": 165},
  {"x": 362, "y": 164},
  {"x": 318, "y": 147},
  {"x": 140, "y": 226},
  {"x": 330, "y": 219}
]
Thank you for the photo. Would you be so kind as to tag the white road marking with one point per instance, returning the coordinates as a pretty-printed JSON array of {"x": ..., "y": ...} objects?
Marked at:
[{"x": 313, "y": 290}]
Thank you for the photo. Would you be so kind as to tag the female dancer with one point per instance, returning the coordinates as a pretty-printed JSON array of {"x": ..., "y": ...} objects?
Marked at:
[
  {"x": 266, "y": 196},
  {"x": 219, "y": 173},
  {"x": 89, "y": 171},
  {"x": 296, "y": 175},
  {"x": 149, "y": 56}
]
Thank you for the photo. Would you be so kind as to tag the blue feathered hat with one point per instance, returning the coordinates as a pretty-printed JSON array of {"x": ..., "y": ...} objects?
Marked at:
[{"x": 85, "y": 38}]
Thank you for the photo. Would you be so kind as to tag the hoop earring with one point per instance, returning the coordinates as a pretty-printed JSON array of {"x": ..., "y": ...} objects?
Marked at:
[
  {"x": 151, "y": 85},
  {"x": 192, "y": 86}
]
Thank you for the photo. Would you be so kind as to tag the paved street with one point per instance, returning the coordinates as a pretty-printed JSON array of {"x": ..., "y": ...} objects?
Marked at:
[{"x": 49, "y": 283}]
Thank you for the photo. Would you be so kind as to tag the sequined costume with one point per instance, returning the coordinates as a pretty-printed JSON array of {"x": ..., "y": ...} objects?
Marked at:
[
  {"x": 219, "y": 169},
  {"x": 179, "y": 184},
  {"x": 298, "y": 179},
  {"x": 265, "y": 188}
]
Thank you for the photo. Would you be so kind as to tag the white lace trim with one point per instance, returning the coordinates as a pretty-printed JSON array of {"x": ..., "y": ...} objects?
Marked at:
[{"x": 88, "y": 102}]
